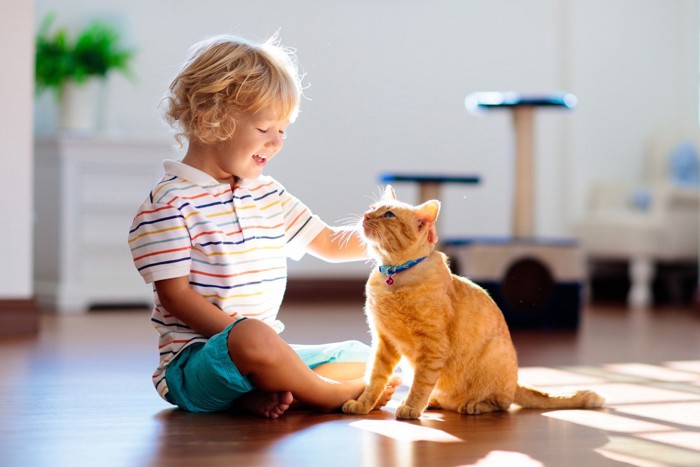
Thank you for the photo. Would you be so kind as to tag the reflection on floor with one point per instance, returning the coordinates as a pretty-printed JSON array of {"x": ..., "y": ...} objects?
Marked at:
[{"x": 80, "y": 394}]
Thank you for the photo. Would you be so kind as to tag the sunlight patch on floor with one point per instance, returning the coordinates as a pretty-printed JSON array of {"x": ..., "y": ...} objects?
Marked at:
[
  {"x": 643, "y": 453},
  {"x": 606, "y": 421},
  {"x": 540, "y": 376},
  {"x": 692, "y": 366},
  {"x": 405, "y": 431},
  {"x": 622, "y": 393},
  {"x": 687, "y": 413},
  {"x": 433, "y": 416},
  {"x": 647, "y": 425},
  {"x": 683, "y": 439},
  {"x": 509, "y": 458},
  {"x": 652, "y": 372}
]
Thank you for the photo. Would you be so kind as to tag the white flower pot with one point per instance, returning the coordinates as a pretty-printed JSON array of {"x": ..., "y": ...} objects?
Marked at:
[{"x": 80, "y": 106}]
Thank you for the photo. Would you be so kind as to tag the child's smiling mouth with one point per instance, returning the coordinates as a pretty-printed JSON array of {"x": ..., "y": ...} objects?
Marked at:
[{"x": 260, "y": 160}]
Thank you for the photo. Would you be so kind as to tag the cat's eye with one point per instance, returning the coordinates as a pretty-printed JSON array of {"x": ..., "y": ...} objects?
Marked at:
[{"x": 389, "y": 215}]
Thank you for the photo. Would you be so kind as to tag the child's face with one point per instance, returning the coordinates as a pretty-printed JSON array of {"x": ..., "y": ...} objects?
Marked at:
[{"x": 257, "y": 139}]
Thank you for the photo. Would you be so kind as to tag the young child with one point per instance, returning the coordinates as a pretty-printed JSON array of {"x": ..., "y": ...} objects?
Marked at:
[{"x": 213, "y": 237}]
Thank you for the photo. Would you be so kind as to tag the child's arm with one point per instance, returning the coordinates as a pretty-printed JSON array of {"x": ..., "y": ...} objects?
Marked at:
[
  {"x": 188, "y": 306},
  {"x": 338, "y": 244}
]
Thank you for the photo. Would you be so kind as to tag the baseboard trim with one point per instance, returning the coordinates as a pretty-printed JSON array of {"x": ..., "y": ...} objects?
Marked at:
[
  {"x": 18, "y": 318},
  {"x": 313, "y": 290}
]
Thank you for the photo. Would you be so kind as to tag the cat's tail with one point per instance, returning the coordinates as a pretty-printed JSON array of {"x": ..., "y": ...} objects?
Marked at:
[{"x": 531, "y": 398}]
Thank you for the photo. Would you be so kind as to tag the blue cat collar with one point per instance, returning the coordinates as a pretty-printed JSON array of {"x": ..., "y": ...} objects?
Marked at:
[{"x": 392, "y": 270}]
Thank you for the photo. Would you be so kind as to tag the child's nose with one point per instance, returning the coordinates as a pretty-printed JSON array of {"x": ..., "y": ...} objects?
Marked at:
[{"x": 277, "y": 140}]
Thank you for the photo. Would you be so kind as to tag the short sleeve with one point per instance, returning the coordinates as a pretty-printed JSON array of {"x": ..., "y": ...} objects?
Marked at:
[
  {"x": 160, "y": 242},
  {"x": 301, "y": 225}
]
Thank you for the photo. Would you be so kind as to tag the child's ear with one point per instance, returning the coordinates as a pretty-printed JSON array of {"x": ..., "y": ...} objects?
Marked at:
[{"x": 389, "y": 194}]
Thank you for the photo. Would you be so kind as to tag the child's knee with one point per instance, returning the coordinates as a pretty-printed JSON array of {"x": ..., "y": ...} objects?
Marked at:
[{"x": 253, "y": 343}]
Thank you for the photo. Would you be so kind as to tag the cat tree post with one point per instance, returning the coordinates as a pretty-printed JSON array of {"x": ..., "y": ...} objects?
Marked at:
[
  {"x": 524, "y": 201},
  {"x": 523, "y": 111}
]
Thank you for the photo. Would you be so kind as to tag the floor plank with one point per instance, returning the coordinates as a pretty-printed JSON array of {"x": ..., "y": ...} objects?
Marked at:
[{"x": 80, "y": 394}]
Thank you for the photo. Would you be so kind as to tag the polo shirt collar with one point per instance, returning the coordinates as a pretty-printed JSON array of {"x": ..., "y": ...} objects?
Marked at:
[
  {"x": 187, "y": 172},
  {"x": 196, "y": 176}
]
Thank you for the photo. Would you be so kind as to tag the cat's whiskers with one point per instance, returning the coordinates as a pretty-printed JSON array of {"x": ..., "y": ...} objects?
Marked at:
[
  {"x": 351, "y": 220},
  {"x": 349, "y": 227},
  {"x": 343, "y": 236},
  {"x": 376, "y": 197}
]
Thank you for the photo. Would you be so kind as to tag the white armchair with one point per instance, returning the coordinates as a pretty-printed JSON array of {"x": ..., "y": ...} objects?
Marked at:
[{"x": 652, "y": 222}]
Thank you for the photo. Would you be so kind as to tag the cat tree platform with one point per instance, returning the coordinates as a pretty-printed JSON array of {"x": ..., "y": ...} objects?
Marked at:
[
  {"x": 537, "y": 283},
  {"x": 429, "y": 185}
]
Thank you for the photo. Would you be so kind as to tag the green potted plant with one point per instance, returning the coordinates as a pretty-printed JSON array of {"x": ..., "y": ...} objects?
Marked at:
[{"x": 73, "y": 69}]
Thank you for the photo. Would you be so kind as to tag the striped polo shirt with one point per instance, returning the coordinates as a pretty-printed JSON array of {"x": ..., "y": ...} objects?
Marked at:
[{"x": 232, "y": 244}]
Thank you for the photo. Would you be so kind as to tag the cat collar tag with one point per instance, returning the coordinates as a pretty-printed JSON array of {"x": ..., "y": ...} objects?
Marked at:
[{"x": 390, "y": 271}]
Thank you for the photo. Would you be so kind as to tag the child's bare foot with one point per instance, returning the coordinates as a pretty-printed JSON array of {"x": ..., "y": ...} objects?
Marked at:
[
  {"x": 394, "y": 382},
  {"x": 265, "y": 404}
]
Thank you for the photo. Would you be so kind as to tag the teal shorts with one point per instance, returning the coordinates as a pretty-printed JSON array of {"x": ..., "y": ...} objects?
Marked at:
[{"x": 202, "y": 378}]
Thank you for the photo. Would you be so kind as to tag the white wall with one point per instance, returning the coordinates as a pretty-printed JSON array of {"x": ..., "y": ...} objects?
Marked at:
[
  {"x": 388, "y": 79},
  {"x": 16, "y": 51},
  {"x": 634, "y": 69}
]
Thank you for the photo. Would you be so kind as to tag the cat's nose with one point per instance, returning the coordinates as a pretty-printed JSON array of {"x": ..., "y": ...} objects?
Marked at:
[{"x": 365, "y": 217}]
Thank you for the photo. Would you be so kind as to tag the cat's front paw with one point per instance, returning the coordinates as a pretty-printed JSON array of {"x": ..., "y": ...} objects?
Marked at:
[
  {"x": 354, "y": 407},
  {"x": 405, "y": 412}
]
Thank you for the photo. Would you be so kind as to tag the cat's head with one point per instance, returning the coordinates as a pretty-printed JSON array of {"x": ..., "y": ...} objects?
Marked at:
[{"x": 397, "y": 231}]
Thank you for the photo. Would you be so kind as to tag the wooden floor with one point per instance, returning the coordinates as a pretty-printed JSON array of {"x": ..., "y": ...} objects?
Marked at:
[{"x": 80, "y": 394}]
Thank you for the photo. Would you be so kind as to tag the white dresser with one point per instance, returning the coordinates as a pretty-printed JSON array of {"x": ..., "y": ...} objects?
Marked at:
[{"x": 87, "y": 191}]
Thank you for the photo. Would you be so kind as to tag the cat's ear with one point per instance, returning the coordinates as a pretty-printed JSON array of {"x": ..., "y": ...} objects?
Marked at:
[
  {"x": 389, "y": 194},
  {"x": 428, "y": 211}
]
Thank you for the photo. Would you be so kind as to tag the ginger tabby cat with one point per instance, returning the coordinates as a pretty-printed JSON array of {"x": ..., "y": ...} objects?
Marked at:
[{"x": 447, "y": 327}]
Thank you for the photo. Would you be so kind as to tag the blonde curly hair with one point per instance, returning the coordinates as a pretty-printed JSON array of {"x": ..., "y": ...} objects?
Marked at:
[{"x": 224, "y": 76}]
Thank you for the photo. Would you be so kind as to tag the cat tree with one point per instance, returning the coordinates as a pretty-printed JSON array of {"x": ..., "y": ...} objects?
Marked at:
[
  {"x": 536, "y": 282},
  {"x": 523, "y": 111}
]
